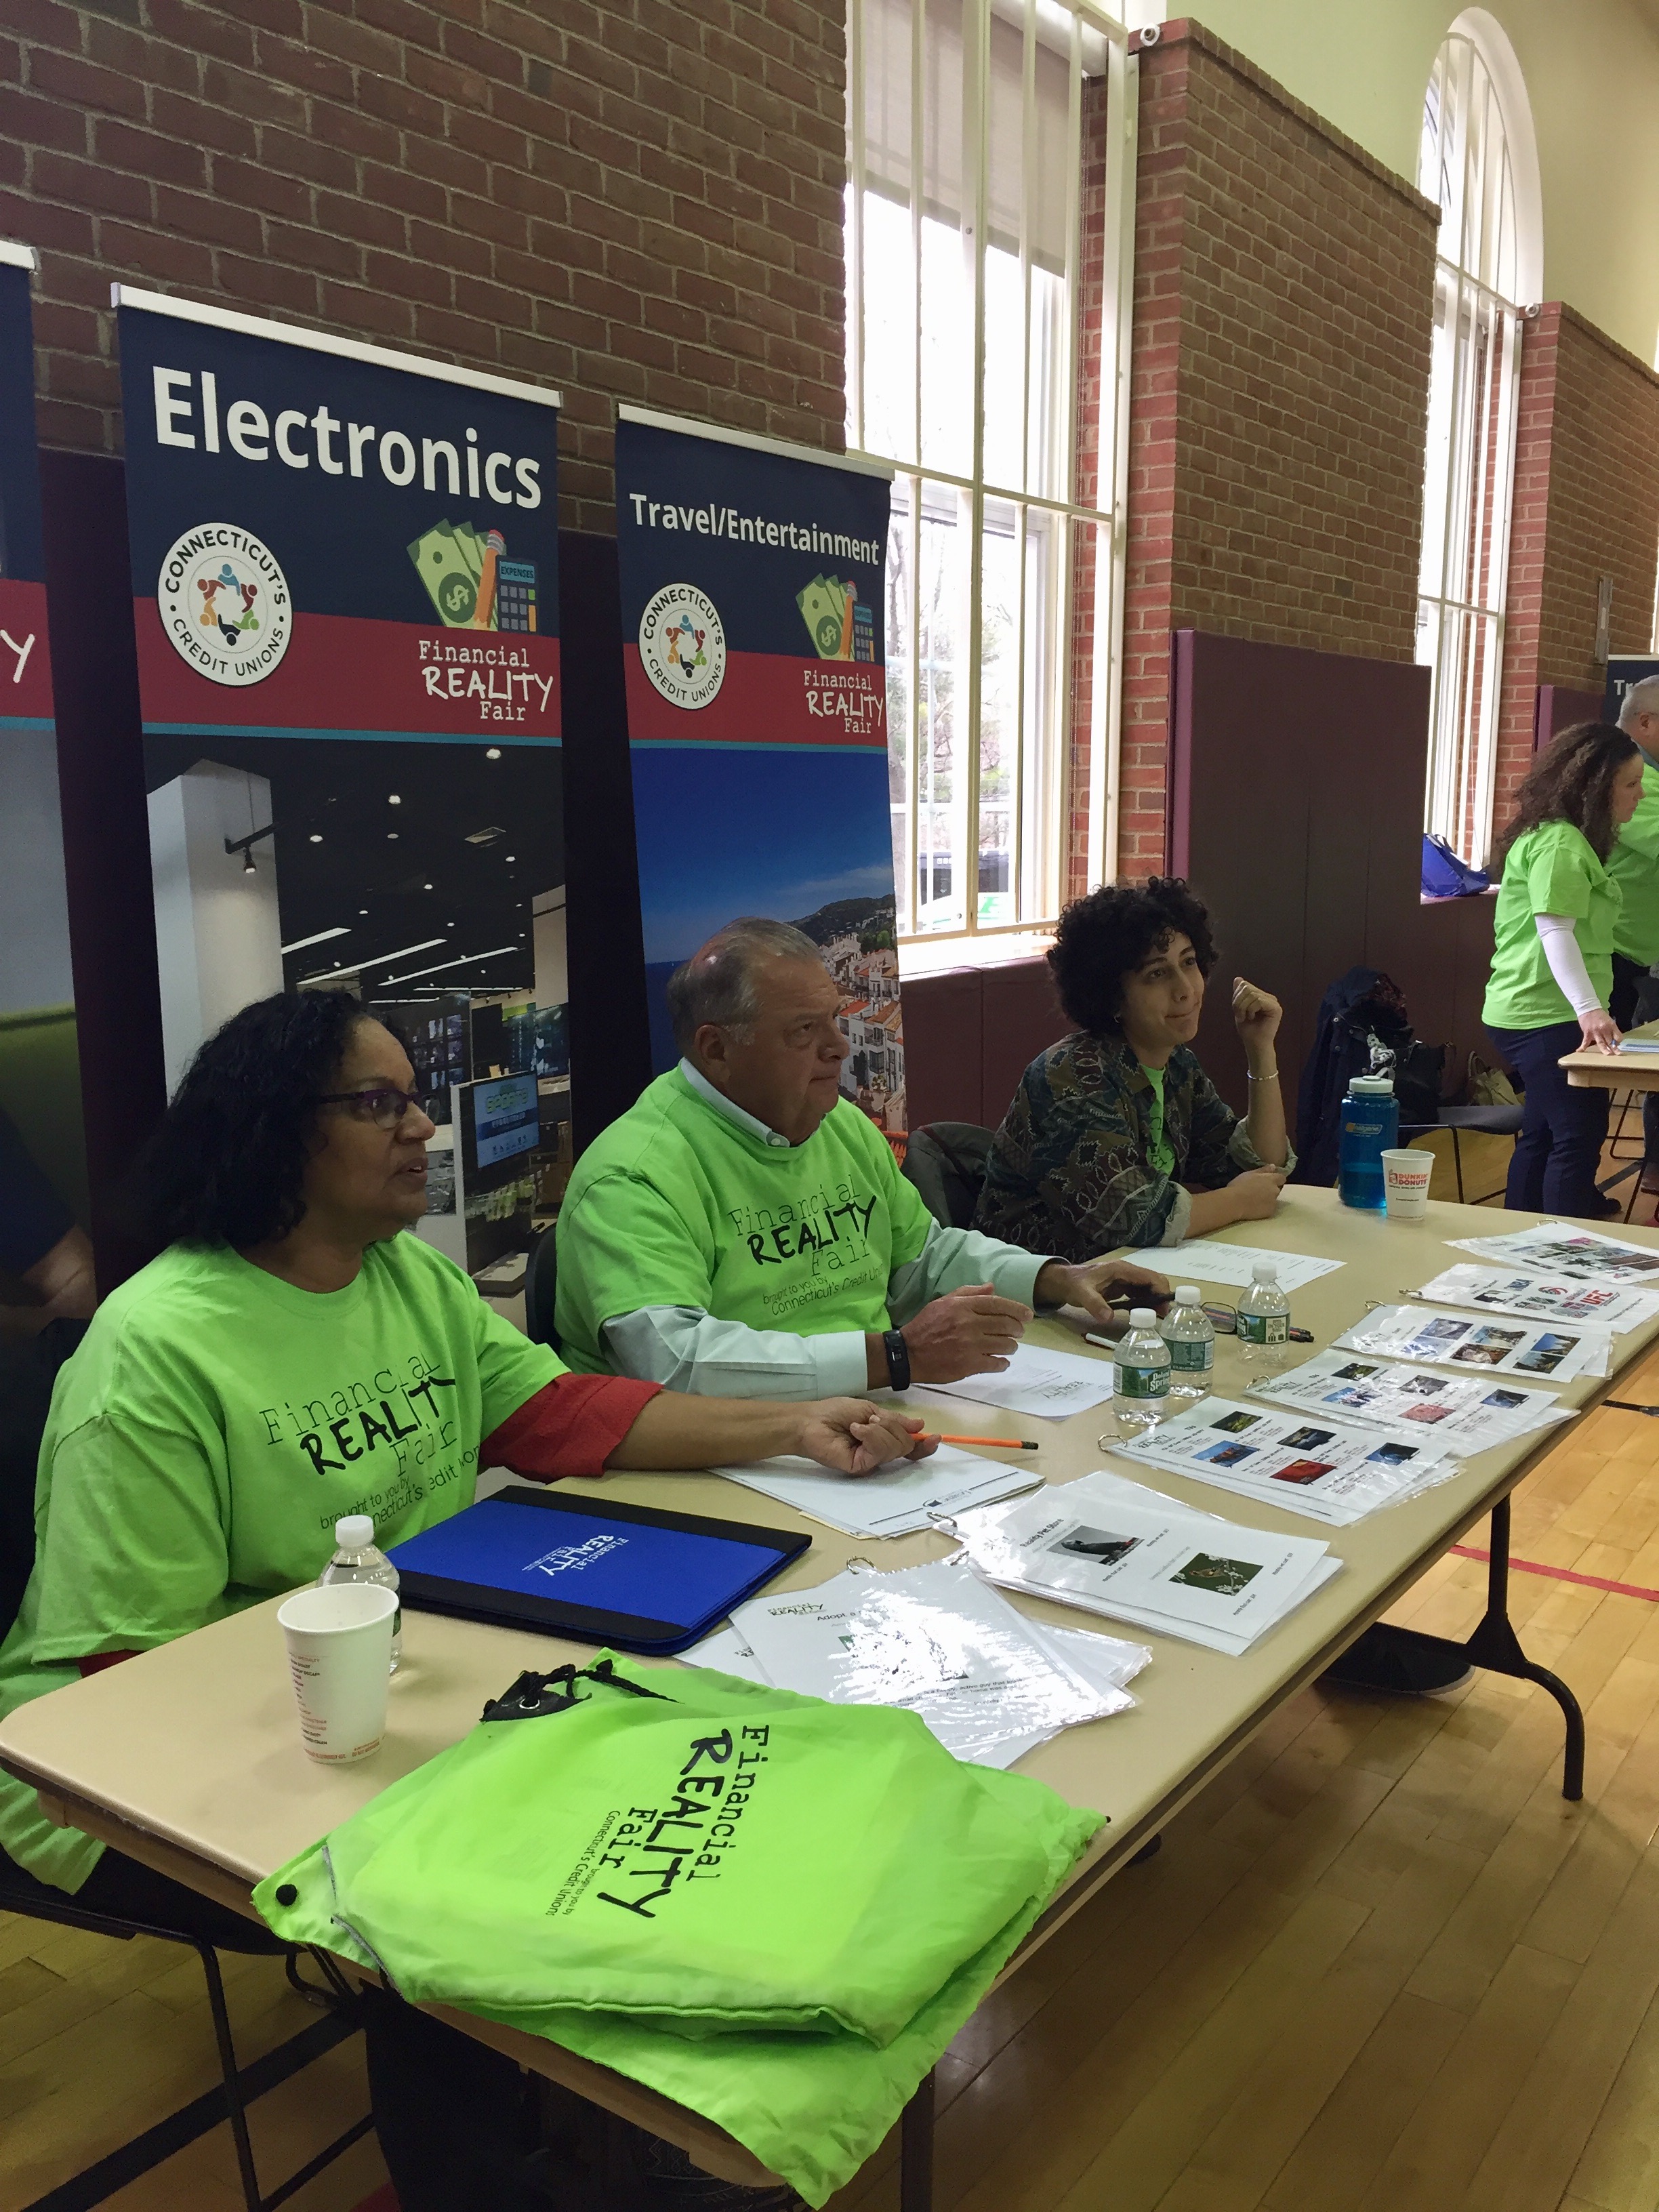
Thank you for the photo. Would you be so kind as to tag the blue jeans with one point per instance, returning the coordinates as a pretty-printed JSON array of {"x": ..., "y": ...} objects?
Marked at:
[{"x": 1563, "y": 1131}]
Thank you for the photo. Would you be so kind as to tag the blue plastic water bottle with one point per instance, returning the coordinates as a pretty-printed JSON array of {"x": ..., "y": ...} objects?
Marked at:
[{"x": 1370, "y": 1126}]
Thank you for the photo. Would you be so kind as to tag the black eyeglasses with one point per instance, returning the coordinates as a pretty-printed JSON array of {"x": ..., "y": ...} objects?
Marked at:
[{"x": 384, "y": 1106}]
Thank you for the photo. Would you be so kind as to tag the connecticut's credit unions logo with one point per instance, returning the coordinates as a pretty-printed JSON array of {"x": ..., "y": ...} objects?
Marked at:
[
  {"x": 224, "y": 603},
  {"x": 683, "y": 646}
]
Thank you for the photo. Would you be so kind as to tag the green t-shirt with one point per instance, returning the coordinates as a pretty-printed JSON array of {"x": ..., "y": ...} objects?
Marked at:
[
  {"x": 213, "y": 1427},
  {"x": 1550, "y": 870},
  {"x": 675, "y": 1205},
  {"x": 1160, "y": 1152},
  {"x": 1634, "y": 864}
]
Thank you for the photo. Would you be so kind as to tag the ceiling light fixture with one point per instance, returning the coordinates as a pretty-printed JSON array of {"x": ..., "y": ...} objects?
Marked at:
[
  {"x": 465, "y": 960},
  {"x": 492, "y": 752},
  {"x": 316, "y": 836},
  {"x": 381, "y": 959},
  {"x": 393, "y": 799},
  {"x": 321, "y": 936}
]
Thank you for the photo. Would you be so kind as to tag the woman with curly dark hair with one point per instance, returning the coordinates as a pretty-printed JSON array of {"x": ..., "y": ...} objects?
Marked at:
[
  {"x": 1116, "y": 1135},
  {"x": 292, "y": 1357},
  {"x": 1552, "y": 968}
]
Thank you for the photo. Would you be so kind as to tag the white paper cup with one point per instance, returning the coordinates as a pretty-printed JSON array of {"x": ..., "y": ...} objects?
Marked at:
[
  {"x": 1406, "y": 1183},
  {"x": 339, "y": 1655}
]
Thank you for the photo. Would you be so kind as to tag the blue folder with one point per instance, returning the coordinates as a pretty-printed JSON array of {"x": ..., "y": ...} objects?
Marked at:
[{"x": 631, "y": 1576}]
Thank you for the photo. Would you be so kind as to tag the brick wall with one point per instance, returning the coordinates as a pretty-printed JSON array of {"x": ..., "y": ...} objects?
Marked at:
[
  {"x": 627, "y": 199},
  {"x": 1284, "y": 286},
  {"x": 1586, "y": 505}
]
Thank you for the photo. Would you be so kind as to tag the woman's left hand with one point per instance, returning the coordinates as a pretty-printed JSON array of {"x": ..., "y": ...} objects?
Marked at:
[{"x": 1257, "y": 1015}]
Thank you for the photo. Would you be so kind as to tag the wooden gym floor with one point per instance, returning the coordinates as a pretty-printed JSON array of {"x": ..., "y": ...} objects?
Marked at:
[{"x": 1381, "y": 1966}]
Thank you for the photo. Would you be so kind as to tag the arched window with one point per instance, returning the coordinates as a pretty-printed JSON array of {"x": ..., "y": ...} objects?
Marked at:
[{"x": 1479, "y": 162}]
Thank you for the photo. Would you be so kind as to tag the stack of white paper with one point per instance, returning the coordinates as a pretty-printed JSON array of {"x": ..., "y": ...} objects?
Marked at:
[
  {"x": 1204, "y": 1260},
  {"x": 1113, "y": 1547},
  {"x": 1050, "y": 1384},
  {"x": 1556, "y": 1248},
  {"x": 1488, "y": 1348},
  {"x": 1540, "y": 1297},
  {"x": 895, "y": 1501},
  {"x": 1319, "y": 1468},
  {"x": 1465, "y": 1414},
  {"x": 936, "y": 1641}
]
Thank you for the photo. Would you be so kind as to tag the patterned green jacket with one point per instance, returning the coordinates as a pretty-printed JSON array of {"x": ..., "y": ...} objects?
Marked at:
[{"x": 1070, "y": 1171}]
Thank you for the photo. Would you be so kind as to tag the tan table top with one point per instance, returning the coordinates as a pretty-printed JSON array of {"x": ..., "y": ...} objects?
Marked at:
[
  {"x": 189, "y": 1757},
  {"x": 1607, "y": 1071}
]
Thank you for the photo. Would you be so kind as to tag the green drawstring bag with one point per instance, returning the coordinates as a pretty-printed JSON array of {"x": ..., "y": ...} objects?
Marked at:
[{"x": 775, "y": 1910}]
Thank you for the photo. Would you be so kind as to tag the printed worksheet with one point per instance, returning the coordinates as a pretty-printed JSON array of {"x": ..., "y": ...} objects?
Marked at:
[
  {"x": 1558, "y": 1247},
  {"x": 1049, "y": 1384},
  {"x": 1494, "y": 1347},
  {"x": 1206, "y": 1260},
  {"x": 1114, "y": 1546},
  {"x": 895, "y": 1501},
  {"x": 1466, "y": 1414},
  {"x": 1543, "y": 1298},
  {"x": 1319, "y": 1468}
]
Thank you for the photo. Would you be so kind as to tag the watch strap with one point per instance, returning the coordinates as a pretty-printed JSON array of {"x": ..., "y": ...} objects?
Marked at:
[{"x": 898, "y": 1358}]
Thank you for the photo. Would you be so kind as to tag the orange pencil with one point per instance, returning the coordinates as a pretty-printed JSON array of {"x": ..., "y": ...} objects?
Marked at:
[{"x": 1001, "y": 1444}]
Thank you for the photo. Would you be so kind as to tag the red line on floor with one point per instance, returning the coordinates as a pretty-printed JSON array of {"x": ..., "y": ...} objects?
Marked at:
[{"x": 1563, "y": 1575}]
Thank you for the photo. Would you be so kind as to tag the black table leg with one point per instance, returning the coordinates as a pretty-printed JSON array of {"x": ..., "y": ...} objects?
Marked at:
[
  {"x": 1405, "y": 1660},
  {"x": 917, "y": 2150}
]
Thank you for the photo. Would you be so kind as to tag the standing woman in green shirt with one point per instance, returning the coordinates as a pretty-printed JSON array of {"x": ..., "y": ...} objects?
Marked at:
[{"x": 1552, "y": 971}]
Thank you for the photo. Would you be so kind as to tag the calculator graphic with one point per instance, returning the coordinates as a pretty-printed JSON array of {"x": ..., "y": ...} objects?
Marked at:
[{"x": 515, "y": 595}]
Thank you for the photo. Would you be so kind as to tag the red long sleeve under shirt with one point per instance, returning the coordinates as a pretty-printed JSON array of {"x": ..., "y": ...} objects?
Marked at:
[{"x": 569, "y": 1427}]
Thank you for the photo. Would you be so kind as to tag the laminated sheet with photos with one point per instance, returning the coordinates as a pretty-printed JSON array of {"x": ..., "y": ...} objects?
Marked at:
[
  {"x": 1473, "y": 1346},
  {"x": 1559, "y": 1298},
  {"x": 1466, "y": 1414},
  {"x": 1561, "y": 1247},
  {"x": 1321, "y": 1469},
  {"x": 1114, "y": 1546},
  {"x": 937, "y": 1641}
]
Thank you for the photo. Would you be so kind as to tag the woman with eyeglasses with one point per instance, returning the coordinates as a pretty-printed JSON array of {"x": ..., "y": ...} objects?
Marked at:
[{"x": 291, "y": 1356}]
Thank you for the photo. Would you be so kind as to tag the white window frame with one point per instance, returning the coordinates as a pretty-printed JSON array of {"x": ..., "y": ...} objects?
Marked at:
[
  {"x": 1488, "y": 263},
  {"x": 1037, "y": 906}
]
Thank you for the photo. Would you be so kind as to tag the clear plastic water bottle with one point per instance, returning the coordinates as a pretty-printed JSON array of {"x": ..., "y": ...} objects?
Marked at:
[
  {"x": 1371, "y": 1126},
  {"x": 1142, "y": 1398},
  {"x": 1190, "y": 1334},
  {"x": 357, "y": 1558},
  {"x": 1264, "y": 1320}
]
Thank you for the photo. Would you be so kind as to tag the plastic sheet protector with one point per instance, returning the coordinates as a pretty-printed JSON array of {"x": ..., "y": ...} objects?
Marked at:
[
  {"x": 1114, "y": 1546},
  {"x": 1201, "y": 1259},
  {"x": 1560, "y": 1247},
  {"x": 1049, "y": 1384},
  {"x": 934, "y": 1640},
  {"x": 897, "y": 1501},
  {"x": 1465, "y": 1414},
  {"x": 1559, "y": 1298},
  {"x": 1320, "y": 1469},
  {"x": 1497, "y": 1346}
]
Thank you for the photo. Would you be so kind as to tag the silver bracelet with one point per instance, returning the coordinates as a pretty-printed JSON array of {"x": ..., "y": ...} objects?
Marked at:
[{"x": 1274, "y": 1078}]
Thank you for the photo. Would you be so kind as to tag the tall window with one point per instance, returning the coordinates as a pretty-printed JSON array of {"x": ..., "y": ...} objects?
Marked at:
[
  {"x": 988, "y": 263},
  {"x": 1485, "y": 267}
]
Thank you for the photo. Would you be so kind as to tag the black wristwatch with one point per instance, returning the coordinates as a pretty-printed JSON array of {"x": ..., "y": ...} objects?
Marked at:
[{"x": 898, "y": 1359}]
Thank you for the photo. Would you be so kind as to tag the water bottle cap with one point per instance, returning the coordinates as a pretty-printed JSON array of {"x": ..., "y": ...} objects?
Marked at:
[
  {"x": 1187, "y": 1294},
  {"x": 1264, "y": 1270},
  {"x": 1372, "y": 1086},
  {"x": 1142, "y": 1317},
  {"x": 354, "y": 1532}
]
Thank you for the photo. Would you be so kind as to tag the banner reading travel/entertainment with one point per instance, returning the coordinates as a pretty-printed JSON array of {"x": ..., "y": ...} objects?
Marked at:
[
  {"x": 44, "y": 1253},
  {"x": 751, "y": 587},
  {"x": 345, "y": 588}
]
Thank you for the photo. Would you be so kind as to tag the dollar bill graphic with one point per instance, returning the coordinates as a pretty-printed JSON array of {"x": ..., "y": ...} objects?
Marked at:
[
  {"x": 823, "y": 605},
  {"x": 449, "y": 567}
]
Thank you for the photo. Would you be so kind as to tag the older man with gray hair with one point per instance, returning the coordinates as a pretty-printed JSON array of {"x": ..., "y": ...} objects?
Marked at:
[
  {"x": 743, "y": 1230},
  {"x": 1634, "y": 864}
]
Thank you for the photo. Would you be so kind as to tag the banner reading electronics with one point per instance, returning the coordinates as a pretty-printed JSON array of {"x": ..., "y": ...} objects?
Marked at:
[
  {"x": 345, "y": 589},
  {"x": 43, "y": 1169},
  {"x": 751, "y": 580}
]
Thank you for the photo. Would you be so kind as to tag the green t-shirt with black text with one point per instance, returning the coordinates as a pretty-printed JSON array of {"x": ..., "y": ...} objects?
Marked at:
[
  {"x": 675, "y": 1205},
  {"x": 209, "y": 1432}
]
